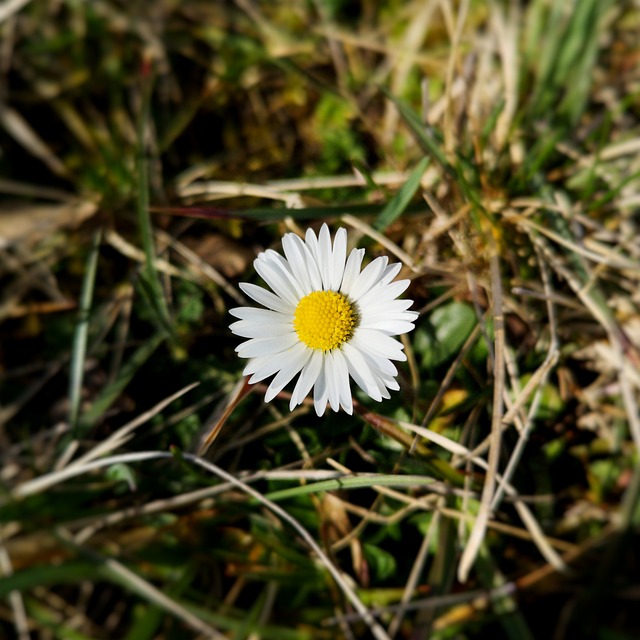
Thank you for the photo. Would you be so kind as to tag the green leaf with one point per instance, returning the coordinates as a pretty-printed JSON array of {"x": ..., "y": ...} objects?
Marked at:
[
  {"x": 122, "y": 473},
  {"x": 381, "y": 561},
  {"x": 448, "y": 328},
  {"x": 551, "y": 403}
]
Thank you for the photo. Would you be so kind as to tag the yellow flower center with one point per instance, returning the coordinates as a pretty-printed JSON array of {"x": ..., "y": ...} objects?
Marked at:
[{"x": 324, "y": 320}]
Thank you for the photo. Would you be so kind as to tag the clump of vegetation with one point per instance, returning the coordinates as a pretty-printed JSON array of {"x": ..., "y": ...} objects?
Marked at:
[{"x": 150, "y": 151}]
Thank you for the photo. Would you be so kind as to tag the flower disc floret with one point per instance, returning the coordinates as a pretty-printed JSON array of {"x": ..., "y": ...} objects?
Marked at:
[{"x": 324, "y": 320}]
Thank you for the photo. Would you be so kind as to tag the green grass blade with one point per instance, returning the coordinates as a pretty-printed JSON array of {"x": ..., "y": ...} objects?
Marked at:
[
  {"x": 81, "y": 335},
  {"x": 44, "y": 575},
  {"x": 505, "y": 606},
  {"x": 112, "y": 392},
  {"x": 358, "y": 482},
  {"x": 149, "y": 274},
  {"x": 398, "y": 204},
  {"x": 422, "y": 133}
]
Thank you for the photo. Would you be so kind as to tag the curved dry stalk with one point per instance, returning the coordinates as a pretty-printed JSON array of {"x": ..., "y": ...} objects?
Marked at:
[
  {"x": 537, "y": 381},
  {"x": 122, "y": 435},
  {"x": 477, "y": 532}
]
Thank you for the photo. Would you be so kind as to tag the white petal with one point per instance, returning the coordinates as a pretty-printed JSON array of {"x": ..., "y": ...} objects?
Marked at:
[
  {"x": 360, "y": 371},
  {"x": 391, "y": 383},
  {"x": 332, "y": 380},
  {"x": 389, "y": 273},
  {"x": 251, "y": 329},
  {"x": 312, "y": 265},
  {"x": 367, "y": 278},
  {"x": 324, "y": 256},
  {"x": 312, "y": 244},
  {"x": 369, "y": 317},
  {"x": 259, "y": 315},
  {"x": 320, "y": 391},
  {"x": 390, "y": 326},
  {"x": 290, "y": 362},
  {"x": 379, "y": 365},
  {"x": 387, "y": 382},
  {"x": 266, "y": 346},
  {"x": 307, "y": 379},
  {"x": 297, "y": 263},
  {"x": 370, "y": 340},
  {"x": 383, "y": 292},
  {"x": 341, "y": 371},
  {"x": 338, "y": 259},
  {"x": 390, "y": 306},
  {"x": 263, "y": 367},
  {"x": 266, "y": 298},
  {"x": 287, "y": 271},
  {"x": 351, "y": 271},
  {"x": 272, "y": 274},
  {"x": 255, "y": 364}
]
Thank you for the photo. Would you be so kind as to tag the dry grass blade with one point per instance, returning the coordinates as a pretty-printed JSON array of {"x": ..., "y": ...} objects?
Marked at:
[
  {"x": 537, "y": 535},
  {"x": 16, "y": 601},
  {"x": 23, "y": 133},
  {"x": 201, "y": 266},
  {"x": 10, "y": 7},
  {"x": 48, "y": 480},
  {"x": 123, "y": 434},
  {"x": 390, "y": 246},
  {"x": 221, "y": 415},
  {"x": 477, "y": 532},
  {"x": 537, "y": 382}
]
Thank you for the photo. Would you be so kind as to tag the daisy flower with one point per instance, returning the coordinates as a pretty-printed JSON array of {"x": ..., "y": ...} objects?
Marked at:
[{"x": 324, "y": 319}]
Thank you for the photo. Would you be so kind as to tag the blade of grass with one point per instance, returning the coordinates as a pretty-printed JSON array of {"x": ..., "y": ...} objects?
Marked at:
[
  {"x": 397, "y": 205},
  {"x": 505, "y": 606},
  {"x": 278, "y": 214},
  {"x": 459, "y": 172},
  {"x": 79, "y": 348},
  {"x": 424, "y": 135},
  {"x": 15, "y": 597},
  {"x": 150, "y": 273},
  {"x": 358, "y": 482},
  {"x": 109, "y": 394},
  {"x": 115, "y": 571},
  {"x": 478, "y": 531}
]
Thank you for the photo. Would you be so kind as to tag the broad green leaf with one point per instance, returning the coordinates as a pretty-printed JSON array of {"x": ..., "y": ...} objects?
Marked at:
[
  {"x": 382, "y": 562},
  {"x": 442, "y": 337}
]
